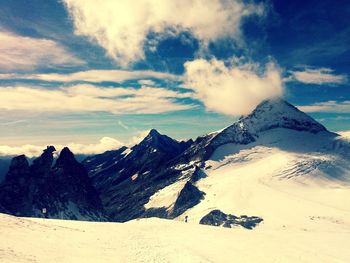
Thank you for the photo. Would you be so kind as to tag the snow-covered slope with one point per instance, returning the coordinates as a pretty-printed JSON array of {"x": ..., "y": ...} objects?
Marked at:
[
  {"x": 295, "y": 180},
  {"x": 268, "y": 115},
  {"x": 299, "y": 183},
  {"x": 277, "y": 113},
  {"x": 159, "y": 240}
]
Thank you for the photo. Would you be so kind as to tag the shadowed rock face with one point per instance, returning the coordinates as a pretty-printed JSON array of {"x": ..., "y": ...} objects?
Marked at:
[
  {"x": 63, "y": 189},
  {"x": 19, "y": 168},
  {"x": 14, "y": 191},
  {"x": 127, "y": 178},
  {"x": 4, "y": 167},
  {"x": 218, "y": 218},
  {"x": 42, "y": 165},
  {"x": 197, "y": 175},
  {"x": 188, "y": 197}
]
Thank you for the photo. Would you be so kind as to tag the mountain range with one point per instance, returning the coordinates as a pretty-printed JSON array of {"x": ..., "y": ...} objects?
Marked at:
[{"x": 275, "y": 146}]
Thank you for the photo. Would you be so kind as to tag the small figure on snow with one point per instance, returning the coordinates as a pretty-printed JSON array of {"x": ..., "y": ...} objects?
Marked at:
[
  {"x": 44, "y": 211},
  {"x": 186, "y": 219}
]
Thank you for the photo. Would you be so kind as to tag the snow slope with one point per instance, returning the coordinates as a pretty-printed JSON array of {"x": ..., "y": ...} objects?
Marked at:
[
  {"x": 298, "y": 182},
  {"x": 159, "y": 240}
]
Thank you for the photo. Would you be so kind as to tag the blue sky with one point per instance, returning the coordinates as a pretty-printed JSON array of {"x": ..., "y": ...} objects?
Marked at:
[{"x": 74, "y": 72}]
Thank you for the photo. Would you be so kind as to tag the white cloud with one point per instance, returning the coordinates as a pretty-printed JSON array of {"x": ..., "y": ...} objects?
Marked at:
[
  {"x": 138, "y": 137},
  {"x": 89, "y": 98},
  {"x": 105, "y": 144},
  {"x": 327, "y": 106},
  {"x": 28, "y": 149},
  {"x": 25, "y": 53},
  {"x": 146, "y": 82},
  {"x": 94, "y": 76},
  {"x": 317, "y": 76},
  {"x": 341, "y": 118},
  {"x": 345, "y": 134},
  {"x": 121, "y": 27},
  {"x": 231, "y": 90}
]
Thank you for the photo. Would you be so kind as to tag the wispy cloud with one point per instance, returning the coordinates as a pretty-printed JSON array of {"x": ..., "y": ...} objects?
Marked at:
[
  {"x": 27, "y": 53},
  {"x": 123, "y": 125},
  {"x": 89, "y": 98},
  {"x": 95, "y": 76},
  {"x": 123, "y": 36},
  {"x": 231, "y": 90},
  {"x": 327, "y": 106},
  {"x": 10, "y": 123},
  {"x": 146, "y": 82},
  {"x": 320, "y": 76}
]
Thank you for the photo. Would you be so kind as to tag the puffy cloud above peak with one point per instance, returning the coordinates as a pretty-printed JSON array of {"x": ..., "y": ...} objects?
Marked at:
[
  {"x": 121, "y": 27},
  {"x": 231, "y": 90}
]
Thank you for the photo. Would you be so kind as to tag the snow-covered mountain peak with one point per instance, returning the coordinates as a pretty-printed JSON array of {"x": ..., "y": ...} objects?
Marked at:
[
  {"x": 277, "y": 113},
  {"x": 267, "y": 116}
]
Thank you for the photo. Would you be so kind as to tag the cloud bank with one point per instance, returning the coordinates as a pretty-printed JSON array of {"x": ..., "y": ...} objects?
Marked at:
[
  {"x": 25, "y": 53},
  {"x": 319, "y": 76},
  {"x": 105, "y": 144},
  {"x": 89, "y": 98},
  {"x": 345, "y": 134},
  {"x": 231, "y": 90},
  {"x": 121, "y": 27},
  {"x": 94, "y": 76},
  {"x": 327, "y": 106}
]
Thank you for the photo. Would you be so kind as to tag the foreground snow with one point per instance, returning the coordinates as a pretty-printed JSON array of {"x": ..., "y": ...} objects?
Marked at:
[{"x": 157, "y": 240}]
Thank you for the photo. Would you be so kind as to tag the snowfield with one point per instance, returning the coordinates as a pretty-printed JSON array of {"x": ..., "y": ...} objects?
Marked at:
[
  {"x": 159, "y": 240},
  {"x": 298, "y": 182}
]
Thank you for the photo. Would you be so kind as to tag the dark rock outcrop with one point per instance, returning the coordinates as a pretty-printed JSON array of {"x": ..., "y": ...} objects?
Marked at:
[
  {"x": 4, "y": 167},
  {"x": 197, "y": 175},
  {"x": 188, "y": 197},
  {"x": 64, "y": 189},
  {"x": 14, "y": 191},
  {"x": 218, "y": 218}
]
